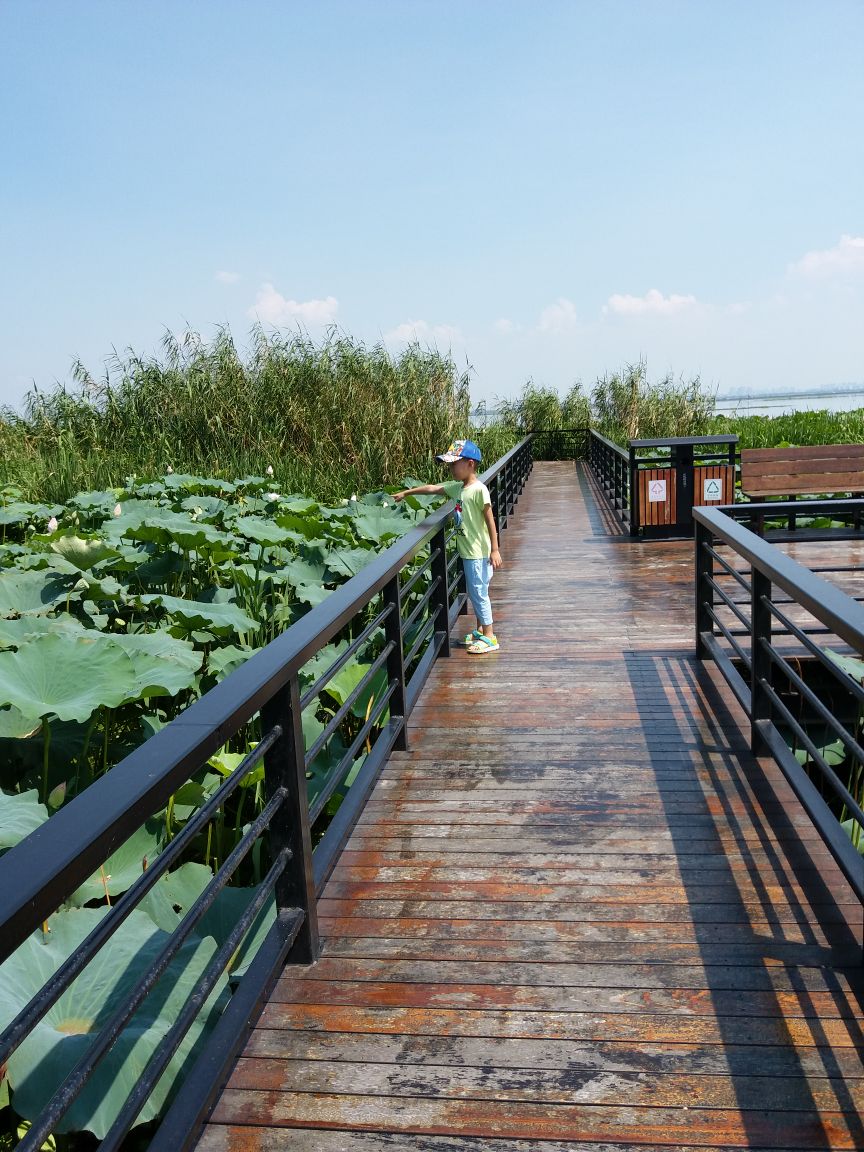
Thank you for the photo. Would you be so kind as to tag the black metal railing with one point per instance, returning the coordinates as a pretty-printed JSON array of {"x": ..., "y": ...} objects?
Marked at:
[
  {"x": 758, "y": 616},
  {"x": 560, "y": 443},
  {"x": 612, "y": 468},
  {"x": 406, "y": 601}
]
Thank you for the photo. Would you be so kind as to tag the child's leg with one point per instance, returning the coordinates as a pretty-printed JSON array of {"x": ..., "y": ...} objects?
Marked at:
[{"x": 478, "y": 573}]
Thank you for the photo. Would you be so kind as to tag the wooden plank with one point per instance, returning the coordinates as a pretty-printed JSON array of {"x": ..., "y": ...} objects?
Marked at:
[{"x": 575, "y": 912}]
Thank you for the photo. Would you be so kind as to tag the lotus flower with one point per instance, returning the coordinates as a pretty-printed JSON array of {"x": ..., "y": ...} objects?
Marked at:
[
  {"x": 354, "y": 498},
  {"x": 52, "y": 524},
  {"x": 117, "y": 509},
  {"x": 271, "y": 496},
  {"x": 169, "y": 471},
  {"x": 269, "y": 469}
]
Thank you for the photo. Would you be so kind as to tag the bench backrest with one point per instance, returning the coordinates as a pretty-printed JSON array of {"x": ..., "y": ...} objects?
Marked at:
[{"x": 805, "y": 471}]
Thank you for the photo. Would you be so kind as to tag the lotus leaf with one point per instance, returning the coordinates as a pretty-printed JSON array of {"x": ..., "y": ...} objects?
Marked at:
[
  {"x": 187, "y": 483},
  {"x": 58, "y": 1041},
  {"x": 263, "y": 531},
  {"x": 221, "y": 661},
  {"x": 349, "y": 561},
  {"x": 14, "y": 725},
  {"x": 19, "y": 816},
  {"x": 22, "y": 513},
  {"x": 221, "y": 917},
  {"x": 83, "y": 552},
  {"x": 31, "y": 593},
  {"x": 223, "y": 619},
  {"x": 211, "y": 507},
  {"x": 311, "y": 594},
  {"x": 174, "y": 894},
  {"x": 164, "y": 665},
  {"x": 379, "y": 524},
  {"x": 851, "y": 666},
  {"x": 67, "y": 676},
  {"x": 300, "y": 504},
  {"x": 123, "y": 868},
  {"x": 14, "y": 633},
  {"x": 166, "y": 526},
  {"x": 346, "y": 680},
  {"x": 306, "y": 526}
]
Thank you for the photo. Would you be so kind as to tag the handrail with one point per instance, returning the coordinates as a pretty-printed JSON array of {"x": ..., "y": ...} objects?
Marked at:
[
  {"x": 773, "y": 689},
  {"x": 40, "y": 872}
]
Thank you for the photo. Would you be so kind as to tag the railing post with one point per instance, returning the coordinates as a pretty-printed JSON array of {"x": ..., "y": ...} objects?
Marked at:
[
  {"x": 438, "y": 568},
  {"x": 760, "y": 661},
  {"x": 704, "y": 538},
  {"x": 634, "y": 493},
  {"x": 285, "y": 767},
  {"x": 396, "y": 659}
]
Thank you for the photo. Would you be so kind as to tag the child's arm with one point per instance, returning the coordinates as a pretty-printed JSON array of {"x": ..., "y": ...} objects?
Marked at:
[
  {"x": 422, "y": 490},
  {"x": 493, "y": 536}
]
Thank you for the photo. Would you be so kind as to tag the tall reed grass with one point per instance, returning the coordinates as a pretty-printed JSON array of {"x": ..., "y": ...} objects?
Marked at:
[{"x": 328, "y": 417}]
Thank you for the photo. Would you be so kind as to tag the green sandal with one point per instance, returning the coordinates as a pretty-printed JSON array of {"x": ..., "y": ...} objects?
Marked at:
[
  {"x": 483, "y": 645},
  {"x": 472, "y": 637}
]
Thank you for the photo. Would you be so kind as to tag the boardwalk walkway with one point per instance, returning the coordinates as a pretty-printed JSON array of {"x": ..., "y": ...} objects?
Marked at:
[{"x": 576, "y": 914}]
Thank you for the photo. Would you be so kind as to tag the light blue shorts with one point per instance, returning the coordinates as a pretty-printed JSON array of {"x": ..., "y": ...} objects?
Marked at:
[{"x": 478, "y": 574}]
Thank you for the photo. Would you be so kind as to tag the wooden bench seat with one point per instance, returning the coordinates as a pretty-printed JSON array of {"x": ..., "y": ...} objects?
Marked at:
[{"x": 813, "y": 470}]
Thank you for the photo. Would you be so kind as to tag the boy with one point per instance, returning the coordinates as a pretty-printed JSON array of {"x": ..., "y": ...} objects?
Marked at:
[{"x": 476, "y": 537}]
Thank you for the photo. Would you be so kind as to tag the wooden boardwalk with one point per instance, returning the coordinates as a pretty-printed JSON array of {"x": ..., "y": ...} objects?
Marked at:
[{"x": 576, "y": 914}]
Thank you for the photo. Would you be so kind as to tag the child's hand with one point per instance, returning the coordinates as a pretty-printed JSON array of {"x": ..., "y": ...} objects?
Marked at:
[
  {"x": 399, "y": 496},
  {"x": 496, "y": 559}
]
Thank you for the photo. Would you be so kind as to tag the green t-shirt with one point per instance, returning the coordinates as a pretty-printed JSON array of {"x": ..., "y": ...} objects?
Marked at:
[{"x": 472, "y": 535}]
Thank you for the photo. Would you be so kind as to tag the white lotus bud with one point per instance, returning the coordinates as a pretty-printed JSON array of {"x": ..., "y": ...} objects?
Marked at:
[
  {"x": 272, "y": 496},
  {"x": 354, "y": 497},
  {"x": 52, "y": 524},
  {"x": 169, "y": 471},
  {"x": 383, "y": 503},
  {"x": 343, "y": 502},
  {"x": 269, "y": 469},
  {"x": 117, "y": 510}
]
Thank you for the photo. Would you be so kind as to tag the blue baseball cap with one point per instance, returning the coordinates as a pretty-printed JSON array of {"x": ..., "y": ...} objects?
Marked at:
[{"x": 460, "y": 450}]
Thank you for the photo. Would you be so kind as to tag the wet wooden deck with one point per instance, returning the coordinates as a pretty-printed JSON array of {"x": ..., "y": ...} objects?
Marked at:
[{"x": 576, "y": 914}]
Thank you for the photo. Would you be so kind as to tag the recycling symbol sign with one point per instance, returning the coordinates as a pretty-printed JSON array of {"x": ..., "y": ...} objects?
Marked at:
[{"x": 713, "y": 489}]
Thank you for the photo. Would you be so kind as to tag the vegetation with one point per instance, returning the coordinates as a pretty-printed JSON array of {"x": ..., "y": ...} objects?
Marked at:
[
  {"x": 329, "y": 418},
  {"x": 818, "y": 427},
  {"x": 117, "y": 609}
]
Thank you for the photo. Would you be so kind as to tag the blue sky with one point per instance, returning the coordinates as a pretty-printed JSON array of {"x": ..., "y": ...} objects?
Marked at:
[{"x": 550, "y": 189}]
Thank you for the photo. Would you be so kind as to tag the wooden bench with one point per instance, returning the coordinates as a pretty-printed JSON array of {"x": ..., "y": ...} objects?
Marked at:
[
  {"x": 812, "y": 470},
  {"x": 808, "y": 471}
]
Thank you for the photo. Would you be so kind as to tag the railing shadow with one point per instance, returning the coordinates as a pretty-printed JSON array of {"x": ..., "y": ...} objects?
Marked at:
[{"x": 742, "y": 798}]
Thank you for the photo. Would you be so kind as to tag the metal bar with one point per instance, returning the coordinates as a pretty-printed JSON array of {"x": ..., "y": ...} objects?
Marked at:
[
  {"x": 285, "y": 768},
  {"x": 352, "y": 649},
  {"x": 421, "y": 604},
  {"x": 838, "y": 787},
  {"x": 344, "y": 766},
  {"x": 739, "y": 576},
  {"x": 66, "y": 973},
  {"x": 731, "y": 604},
  {"x": 703, "y": 575},
  {"x": 73, "y": 1084},
  {"x": 439, "y": 571},
  {"x": 423, "y": 635},
  {"x": 395, "y": 661},
  {"x": 346, "y": 706},
  {"x": 849, "y": 859},
  {"x": 730, "y": 673},
  {"x": 181, "y": 1126},
  {"x": 415, "y": 576},
  {"x": 158, "y": 1062},
  {"x": 842, "y": 678},
  {"x": 730, "y": 636}
]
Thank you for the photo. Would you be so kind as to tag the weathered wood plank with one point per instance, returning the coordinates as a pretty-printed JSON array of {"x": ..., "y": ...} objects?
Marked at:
[{"x": 575, "y": 912}]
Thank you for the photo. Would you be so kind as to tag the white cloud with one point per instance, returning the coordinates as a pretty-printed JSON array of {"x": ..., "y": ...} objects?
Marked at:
[
  {"x": 227, "y": 277},
  {"x": 504, "y": 327},
  {"x": 272, "y": 308},
  {"x": 421, "y": 330},
  {"x": 846, "y": 255},
  {"x": 653, "y": 303},
  {"x": 558, "y": 316}
]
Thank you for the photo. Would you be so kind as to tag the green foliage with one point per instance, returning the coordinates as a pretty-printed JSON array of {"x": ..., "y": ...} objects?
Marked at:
[
  {"x": 799, "y": 428},
  {"x": 329, "y": 418},
  {"x": 626, "y": 406}
]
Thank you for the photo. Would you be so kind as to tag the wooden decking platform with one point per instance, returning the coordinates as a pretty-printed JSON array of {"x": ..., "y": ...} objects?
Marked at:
[{"x": 576, "y": 914}]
